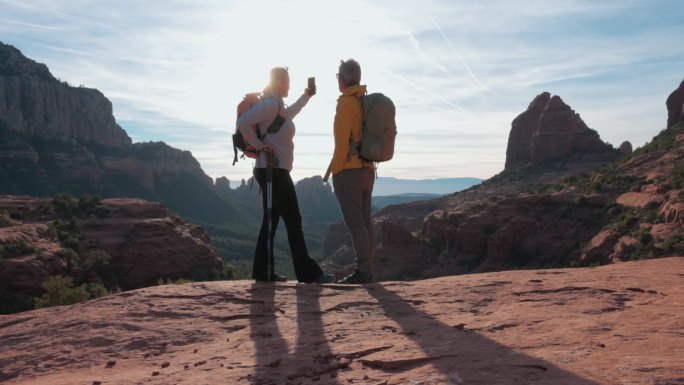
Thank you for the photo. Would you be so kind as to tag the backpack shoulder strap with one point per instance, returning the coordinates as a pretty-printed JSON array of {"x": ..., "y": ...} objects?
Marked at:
[{"x": 275, "y": 126}]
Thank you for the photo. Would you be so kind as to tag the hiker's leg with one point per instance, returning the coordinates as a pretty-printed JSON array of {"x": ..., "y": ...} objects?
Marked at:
[
  {"x": 285, "y": 200},
  {"x": 349, "y": 191},
  {"x": 260, "y": 254},
  {"x": 367, "y": 198}
]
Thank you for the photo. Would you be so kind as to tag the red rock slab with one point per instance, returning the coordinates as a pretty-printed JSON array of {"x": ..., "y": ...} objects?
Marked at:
[
  {"x": 617, "y": 324},
  {"x": 639, "y": 199}
]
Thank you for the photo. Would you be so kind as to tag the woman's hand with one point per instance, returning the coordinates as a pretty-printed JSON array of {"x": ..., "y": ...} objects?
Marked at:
[
  {"x": 309, "y": 92},
  {"x": 267, "y": 148}
]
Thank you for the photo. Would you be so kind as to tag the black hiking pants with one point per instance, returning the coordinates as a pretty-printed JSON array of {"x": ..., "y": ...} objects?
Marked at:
[{"x": 285, "y": 205}]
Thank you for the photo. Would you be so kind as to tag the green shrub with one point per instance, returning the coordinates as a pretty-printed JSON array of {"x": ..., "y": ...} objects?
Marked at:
[
  {"x": 673, "y": 245},
  {"x": 72, "y": 260},
  {"x": 92, "y": 205},
  {"x": 581, "y": 201},
  {"x": 11, "y": 303},
  {"x": 678, "y": 177},
  {"x": 100, "y": 263},
  {"x": 72, "y": 243},
  {"x": 627, "y": 219},
  {"x": 652, "y": 216},
  {"x": 59, "y": 291},
  {"x": 644, "y": 236},
  {"x": 17, "y": 249},
  {"x": 69, "y": 230},
  {"x": 199, "y": 274},
  {"x": 5, "y": 219},
  {"x": 96, "y": 290},
  {"x": 65, "y": 205},
  {"x": 46, "y": 207}
]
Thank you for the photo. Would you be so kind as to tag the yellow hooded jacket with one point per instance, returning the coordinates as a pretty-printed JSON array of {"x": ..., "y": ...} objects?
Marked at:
[{"x": 347, "y": 129}]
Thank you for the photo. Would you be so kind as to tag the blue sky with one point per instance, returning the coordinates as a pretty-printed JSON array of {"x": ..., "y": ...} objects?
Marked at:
[{"x": 458, "y": 71}]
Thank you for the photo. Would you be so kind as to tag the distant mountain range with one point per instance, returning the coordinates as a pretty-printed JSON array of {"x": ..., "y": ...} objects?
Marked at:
[
  {"x": 384, "y": 201},
  {"x": 392, "y": 186}
]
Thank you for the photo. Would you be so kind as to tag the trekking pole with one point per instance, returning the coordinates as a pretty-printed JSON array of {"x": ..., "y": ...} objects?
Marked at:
[{"x": 269, "y": 216}]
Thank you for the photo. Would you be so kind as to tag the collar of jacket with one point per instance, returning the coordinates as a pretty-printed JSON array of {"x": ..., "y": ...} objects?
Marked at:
[{"x": 357, "y": 91}]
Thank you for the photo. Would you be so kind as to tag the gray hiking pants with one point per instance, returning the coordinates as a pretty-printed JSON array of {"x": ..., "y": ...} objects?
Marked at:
[{"x": 353, "y": 189}]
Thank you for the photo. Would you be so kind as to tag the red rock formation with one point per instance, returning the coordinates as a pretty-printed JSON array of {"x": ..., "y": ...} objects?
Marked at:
[
  {"x": 550, "y": 129},
  {"x": 400, "y": 254},
  {"x": 675, "y": 106},
  {"x": 222, "y": 186},
  {"x": 146, "y": 241},
  {"x": 56, "y": 138},
  {"x": 626, "y": 148},
  {"x": 523, "y": 128},
  {"x": 34, "y": 103},
  {"x": 585, "y": 326},
  {"x": 562, "y": 132}
]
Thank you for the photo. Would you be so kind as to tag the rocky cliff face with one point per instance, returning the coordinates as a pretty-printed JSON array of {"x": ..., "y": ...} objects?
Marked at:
[
  {"x": 57, "y": 138},
  {"x": 675, "y": 106},
  {"x": 34, "y": 103},
  {"x": 523, "y": 129},
  {"x": 550, "y": 129},
  {"x": 146, "y": 242}
]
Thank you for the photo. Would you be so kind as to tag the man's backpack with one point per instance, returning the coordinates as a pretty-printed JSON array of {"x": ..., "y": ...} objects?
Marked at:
[
  {"x": 249, "y": 101},
  {"x": 378, "y": 128}
]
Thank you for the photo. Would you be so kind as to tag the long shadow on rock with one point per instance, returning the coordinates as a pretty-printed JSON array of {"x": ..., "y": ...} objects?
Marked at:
[
  {"x": 270, "y": 346},
  {"x": 314, "y": 356},
  {"x": 462, "y": 356}
]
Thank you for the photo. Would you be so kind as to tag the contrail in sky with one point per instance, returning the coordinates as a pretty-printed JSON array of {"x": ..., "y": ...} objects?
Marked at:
[
  {"x": 30, "y": 24},
  {"x": 88, "y": 21},
  {"x": 443, "y": 99},
  {"x": 460, "y": 58}
]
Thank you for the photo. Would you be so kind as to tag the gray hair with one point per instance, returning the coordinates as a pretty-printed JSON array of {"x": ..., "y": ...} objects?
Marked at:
[{"x": 350, "y": 72}]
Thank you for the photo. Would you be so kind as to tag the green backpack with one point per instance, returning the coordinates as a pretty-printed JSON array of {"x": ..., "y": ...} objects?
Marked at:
[{"x": 378, "y": 128}]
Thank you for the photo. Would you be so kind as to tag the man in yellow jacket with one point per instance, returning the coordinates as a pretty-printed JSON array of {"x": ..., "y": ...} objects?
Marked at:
[{"x": 352, "y": 176}]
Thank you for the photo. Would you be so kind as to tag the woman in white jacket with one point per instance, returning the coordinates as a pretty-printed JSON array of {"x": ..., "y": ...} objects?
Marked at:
[{"x": 280, "y": 146}]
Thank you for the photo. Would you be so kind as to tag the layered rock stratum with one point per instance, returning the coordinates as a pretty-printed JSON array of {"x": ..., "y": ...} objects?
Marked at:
[
  {"x": 614, "y": 324},
  {"x": 145, "y": 240}
]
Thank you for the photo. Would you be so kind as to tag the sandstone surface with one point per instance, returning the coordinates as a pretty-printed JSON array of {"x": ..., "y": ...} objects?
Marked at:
[{"x": 614, "y": 324}]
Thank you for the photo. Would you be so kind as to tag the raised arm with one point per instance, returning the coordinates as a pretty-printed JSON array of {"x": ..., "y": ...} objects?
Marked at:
[{"x": 293, "y": 110}]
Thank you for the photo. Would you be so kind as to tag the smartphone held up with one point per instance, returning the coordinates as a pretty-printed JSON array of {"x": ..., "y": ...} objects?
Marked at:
[{"x": 311, "y": 86}]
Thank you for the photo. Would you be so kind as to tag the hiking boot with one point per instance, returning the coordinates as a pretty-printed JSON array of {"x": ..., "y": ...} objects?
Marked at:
[
  {"x": 324, "y": 278},
  {"x": 274, "y": 278},
  {"x": 356, "y": 278}
]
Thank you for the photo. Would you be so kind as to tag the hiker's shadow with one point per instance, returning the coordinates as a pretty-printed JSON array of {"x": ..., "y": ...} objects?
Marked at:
[
  {"x": 314, "y": 356},
  {"x": 270, "y": 346},
  {"x": 462, "y": 356},
  {"x": 312, "y": 359}
]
